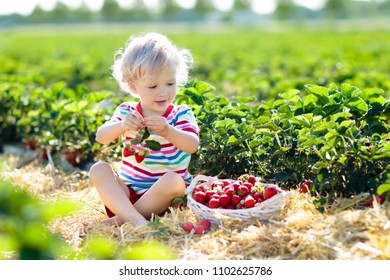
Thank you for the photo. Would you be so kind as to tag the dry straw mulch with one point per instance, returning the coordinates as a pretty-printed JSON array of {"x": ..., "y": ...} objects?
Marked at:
[{"x": 346, "y": 230}]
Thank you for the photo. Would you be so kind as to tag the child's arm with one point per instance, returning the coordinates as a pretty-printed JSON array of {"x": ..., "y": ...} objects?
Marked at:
[
  {"x": 186, "y": 141},
  {"x": 109, "y": 132}
]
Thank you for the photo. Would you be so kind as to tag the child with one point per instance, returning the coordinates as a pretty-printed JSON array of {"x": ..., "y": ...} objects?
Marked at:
[{"x": 150, "y": 68}]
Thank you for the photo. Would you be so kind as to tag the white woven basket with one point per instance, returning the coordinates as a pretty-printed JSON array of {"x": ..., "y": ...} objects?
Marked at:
[{"x": 264, "y": 211}]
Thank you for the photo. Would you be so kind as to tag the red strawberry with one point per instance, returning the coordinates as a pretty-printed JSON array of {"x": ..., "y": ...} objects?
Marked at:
[
  {"x": 188, "y": 226},
  {"x": 252, "y": 179},
  {"x": 269, "y": 192},
  {"x": 228, "y": 190},
  {"x": 256, "y": 195},
  {"x": 200, "y": 197},
  {"x": 224, "y": 200},
  {"x": 216, "y": 185},
  {"x": 71, "y": 157},
  {"x": 31, "y": 144},
  {"x": 214, "y": 203},
  {"x": 248, "y": 185},
  {"x": 235, "y": 186},
  {"x": 139, "y": 157},
  {"x": 249, "y": 201},
  {"x": 369, "y": 202},
  {"x": 44, "y": 155},
  {"x": 243, "y": 190},
  {"x": 235, "y": 200},
  {"x": 209, "y": 194},
  {"x": 225, "y": 183},
  {"x": 199, "y": 230},
  {"x": 128, "y": 152},
  {"x": 199, "y": 188},
  {"x": 304, "y": 187},
  {"x": 205, "y": 223},
  {"x": 379, "y": 199}
]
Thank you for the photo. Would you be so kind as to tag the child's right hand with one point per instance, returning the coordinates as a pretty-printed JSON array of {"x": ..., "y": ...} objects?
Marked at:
[{"x": 133, "y": 121}]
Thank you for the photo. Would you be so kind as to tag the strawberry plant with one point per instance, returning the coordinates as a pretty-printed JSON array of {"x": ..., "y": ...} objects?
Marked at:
[
  {"x": 336, "y": 137},
  {"x": 285, "y": 131},
  {"x": 139, "y": 147},
  {"x": 63, "y": 122},
  {"x": 14, "y": 103}
]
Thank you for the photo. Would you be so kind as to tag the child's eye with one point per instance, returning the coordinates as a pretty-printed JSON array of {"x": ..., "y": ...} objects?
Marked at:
[
  {"x": 171, "y": 84},
  {"x": 152, "y": 87}
]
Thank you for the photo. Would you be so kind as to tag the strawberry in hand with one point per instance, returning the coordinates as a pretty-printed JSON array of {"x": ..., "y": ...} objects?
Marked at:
[
  {"x": 128, "y": 152},
  {"x": 140, "y": 156},
  {"x": 145, "y": 146}
]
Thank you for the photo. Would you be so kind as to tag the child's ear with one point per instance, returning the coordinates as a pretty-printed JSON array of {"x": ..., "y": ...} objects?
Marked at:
[{"x": 132, "y": 87}]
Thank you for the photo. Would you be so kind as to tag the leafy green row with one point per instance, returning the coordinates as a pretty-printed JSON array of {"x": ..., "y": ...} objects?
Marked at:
[
  {"x": 54, "y": 120},
  {"x": 238, "y": 62},
  {"x": 337, "y": 136}
]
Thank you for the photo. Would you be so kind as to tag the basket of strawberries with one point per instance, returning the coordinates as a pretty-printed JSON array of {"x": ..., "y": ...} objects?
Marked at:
[{"x": 212, "y": 198}]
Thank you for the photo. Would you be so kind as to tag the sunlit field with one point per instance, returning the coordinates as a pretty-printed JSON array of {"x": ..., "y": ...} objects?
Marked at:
[{"x": 288, "y": 104}]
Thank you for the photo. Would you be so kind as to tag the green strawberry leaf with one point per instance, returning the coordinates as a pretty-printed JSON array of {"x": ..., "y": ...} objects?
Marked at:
[
  {"x": 146, "y": 134},
  {"x": 153, "y": 145}
]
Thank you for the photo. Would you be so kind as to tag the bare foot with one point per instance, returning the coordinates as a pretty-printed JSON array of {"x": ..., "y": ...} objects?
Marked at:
[
  {"x": 116, "y": 221},
  {"x": 113, "y": 221}
]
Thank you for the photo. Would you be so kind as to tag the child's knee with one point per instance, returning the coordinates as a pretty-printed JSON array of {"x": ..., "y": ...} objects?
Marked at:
[
  {"x": 97, "y": 170},
  {"x": 177, "y": 183}
]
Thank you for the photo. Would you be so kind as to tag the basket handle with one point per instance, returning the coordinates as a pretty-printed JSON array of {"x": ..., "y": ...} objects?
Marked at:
[{"x": 198, "y": 178}]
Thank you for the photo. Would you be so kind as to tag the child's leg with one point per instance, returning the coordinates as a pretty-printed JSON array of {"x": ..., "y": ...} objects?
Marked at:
[
  {"x": 114, "y": 194},
  {"x": 159, "y": 197}
]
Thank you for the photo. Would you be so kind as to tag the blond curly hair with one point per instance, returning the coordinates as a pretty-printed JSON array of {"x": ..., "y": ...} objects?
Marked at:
[{"x": 146, "y": 55}]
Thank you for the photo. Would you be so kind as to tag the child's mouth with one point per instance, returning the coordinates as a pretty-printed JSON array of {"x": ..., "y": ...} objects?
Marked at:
[{"x": 161, "y": 102}]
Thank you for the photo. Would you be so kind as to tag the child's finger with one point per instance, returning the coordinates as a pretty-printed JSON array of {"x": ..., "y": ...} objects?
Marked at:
[
  {"x": 138, "y": 116},
  {"x": 153, "y": 120},
  {"x": 132, "y": 122}
]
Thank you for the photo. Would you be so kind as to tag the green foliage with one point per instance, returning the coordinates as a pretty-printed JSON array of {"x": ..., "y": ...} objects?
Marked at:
[
  {"x": 286, "y": 130},
  {"x": 148, "y": 250},
  {"x": 24, "y": 234},
  {"x": 337, "y": 137},
  {"x": 23, "y": 219},
  {"x": 103, "y": 248},
  {"x": 59, "y": 119},
  {"x": 252, "y": 61}
]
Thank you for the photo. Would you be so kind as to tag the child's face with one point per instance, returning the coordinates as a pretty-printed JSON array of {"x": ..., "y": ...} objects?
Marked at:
[{"x": 157, "y": 92}]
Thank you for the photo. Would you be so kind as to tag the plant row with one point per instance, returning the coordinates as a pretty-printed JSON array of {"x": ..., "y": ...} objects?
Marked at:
[
  {"x": 55, "y": 121},
  {"x": 336, "y": 136}
]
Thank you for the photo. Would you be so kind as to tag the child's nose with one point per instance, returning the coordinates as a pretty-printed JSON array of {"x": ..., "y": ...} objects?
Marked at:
[{"x": 165, "y": 90}]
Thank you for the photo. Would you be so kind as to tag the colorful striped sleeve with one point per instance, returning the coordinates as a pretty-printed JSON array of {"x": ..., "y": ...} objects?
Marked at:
[
  {"x": 121, "y": 111},
  {"x": 185, "y": 120}
]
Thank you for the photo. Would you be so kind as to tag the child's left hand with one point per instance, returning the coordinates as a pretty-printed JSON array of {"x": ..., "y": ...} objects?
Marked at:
[{"x": 157, "y": 125}]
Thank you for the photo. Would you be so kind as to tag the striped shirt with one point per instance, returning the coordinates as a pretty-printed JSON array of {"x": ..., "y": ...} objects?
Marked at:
[{"x": 141, "y": 176}]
